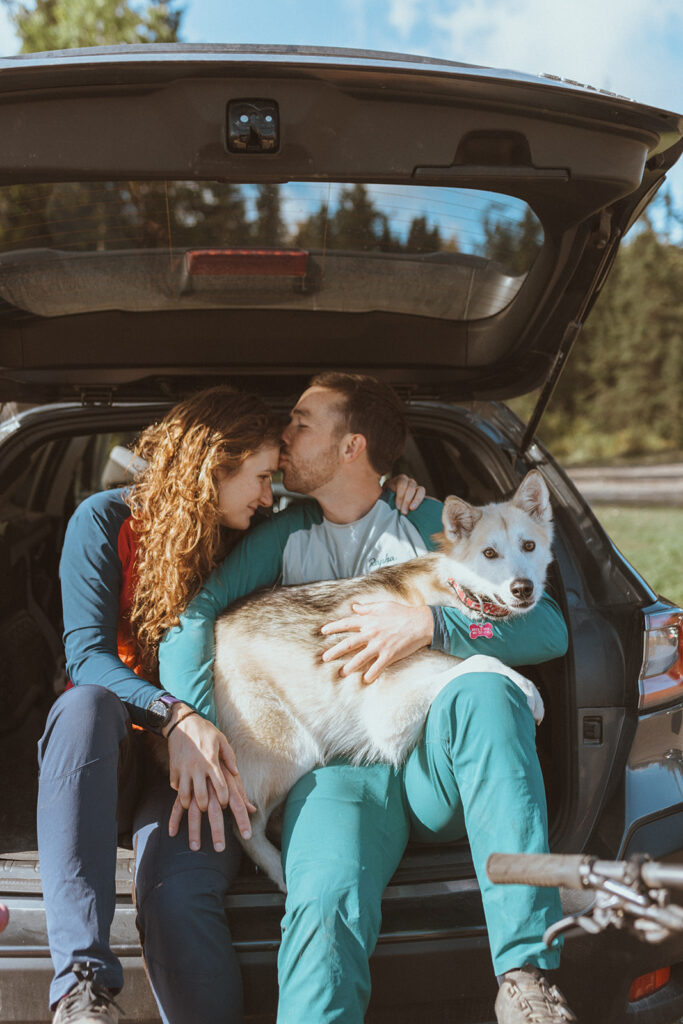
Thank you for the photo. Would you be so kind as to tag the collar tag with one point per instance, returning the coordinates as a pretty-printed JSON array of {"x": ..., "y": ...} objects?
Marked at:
[{"x": 486, "y": 630}]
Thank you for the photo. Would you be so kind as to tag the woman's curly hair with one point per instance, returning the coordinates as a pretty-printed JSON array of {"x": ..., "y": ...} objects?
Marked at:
[{"x": 174, "y": 504}]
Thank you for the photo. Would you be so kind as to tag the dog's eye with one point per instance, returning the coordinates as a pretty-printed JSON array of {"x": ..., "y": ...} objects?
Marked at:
[
  {"x": 529, "y": 545},
  {"x": 490, "y": 553}
]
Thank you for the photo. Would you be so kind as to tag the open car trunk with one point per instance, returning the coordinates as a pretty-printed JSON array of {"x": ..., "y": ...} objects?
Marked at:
[
  {"x": 53, "y": 457},
  {"x": 43, "y": 486}
]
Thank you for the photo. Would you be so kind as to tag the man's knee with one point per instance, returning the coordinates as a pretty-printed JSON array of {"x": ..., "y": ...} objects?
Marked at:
[
  {"x": 490, "y": 697},
  {"x": 86, "y": 722}
]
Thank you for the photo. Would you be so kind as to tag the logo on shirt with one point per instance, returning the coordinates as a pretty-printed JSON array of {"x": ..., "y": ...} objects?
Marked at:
[{"x": 378, "y": 563}]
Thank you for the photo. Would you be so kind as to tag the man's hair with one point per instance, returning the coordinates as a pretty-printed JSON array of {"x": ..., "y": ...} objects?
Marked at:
[{"x": 371, "y": 408}]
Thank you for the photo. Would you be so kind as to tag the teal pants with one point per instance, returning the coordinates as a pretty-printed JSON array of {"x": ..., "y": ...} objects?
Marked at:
[{"x": 475, "y": 772}]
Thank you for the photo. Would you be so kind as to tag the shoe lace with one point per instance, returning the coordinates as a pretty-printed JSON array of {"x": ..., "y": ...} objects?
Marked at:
[
  {"x": 87, "y": 995},
  {"x": 543, "y": 1003}
]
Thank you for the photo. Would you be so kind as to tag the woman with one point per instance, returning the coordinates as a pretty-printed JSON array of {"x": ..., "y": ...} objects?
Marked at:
[{"x": 131, "y": 563}]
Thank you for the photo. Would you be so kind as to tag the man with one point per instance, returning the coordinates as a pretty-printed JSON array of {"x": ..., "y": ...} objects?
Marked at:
[{"x": 345, "y": 827}]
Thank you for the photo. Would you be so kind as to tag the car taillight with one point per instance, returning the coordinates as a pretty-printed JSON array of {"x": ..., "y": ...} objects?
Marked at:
[
  {"x": 247, "y": 262},
  {"x": 661, "y": 677},
  {"x": 646, "y": 984}
]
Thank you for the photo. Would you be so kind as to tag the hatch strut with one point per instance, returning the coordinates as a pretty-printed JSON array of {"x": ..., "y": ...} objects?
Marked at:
[
  {"x": 570, "y": 335},
  {"x": 606, "y": 240}
]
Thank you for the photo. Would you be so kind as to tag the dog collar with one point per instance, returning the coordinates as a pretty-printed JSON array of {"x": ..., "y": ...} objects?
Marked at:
[{"x": 489, "y": 608}]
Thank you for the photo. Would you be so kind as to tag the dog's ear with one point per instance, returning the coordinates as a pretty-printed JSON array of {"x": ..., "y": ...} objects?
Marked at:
[
  {"x": 459, "y": 518},
  {"x": 533, "y": 498}
]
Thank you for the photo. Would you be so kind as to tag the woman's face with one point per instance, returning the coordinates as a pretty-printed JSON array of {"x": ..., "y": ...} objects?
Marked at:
[{"x": 241, "y": 492}]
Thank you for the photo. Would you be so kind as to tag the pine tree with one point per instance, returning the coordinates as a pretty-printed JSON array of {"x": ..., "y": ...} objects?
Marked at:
[
  {"x": 65, "y": 24},
  {"x": 268, "y": 229},
  {"x": 422, "y": 238}
]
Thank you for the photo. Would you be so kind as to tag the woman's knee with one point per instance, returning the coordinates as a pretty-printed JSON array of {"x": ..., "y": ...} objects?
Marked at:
[
  {"x": 186, "y": 907},
  {"x": 84, "y": 723}
]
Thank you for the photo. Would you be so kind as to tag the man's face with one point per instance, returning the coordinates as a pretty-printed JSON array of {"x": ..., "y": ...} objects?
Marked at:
[{"x": 311, "y": 442}]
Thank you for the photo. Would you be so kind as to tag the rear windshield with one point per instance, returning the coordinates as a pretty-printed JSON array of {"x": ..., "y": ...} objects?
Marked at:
[{"x": 73, "y": 247}]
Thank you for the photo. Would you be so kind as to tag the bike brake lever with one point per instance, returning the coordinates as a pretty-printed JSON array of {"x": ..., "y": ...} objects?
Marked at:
[{"x": 571, "y": 926}]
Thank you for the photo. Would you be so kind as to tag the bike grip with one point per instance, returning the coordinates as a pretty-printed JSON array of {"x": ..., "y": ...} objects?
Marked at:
[
  {"x": 657, "y": 876},
  {"x": 542, "y": 869}
]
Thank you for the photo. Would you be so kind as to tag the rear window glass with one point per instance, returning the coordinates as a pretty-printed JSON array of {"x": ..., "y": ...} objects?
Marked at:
[{"x": 73, "y": 247}]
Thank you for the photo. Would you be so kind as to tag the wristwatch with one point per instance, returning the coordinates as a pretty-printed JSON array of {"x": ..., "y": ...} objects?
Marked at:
[{"x": 158, "y": 713}]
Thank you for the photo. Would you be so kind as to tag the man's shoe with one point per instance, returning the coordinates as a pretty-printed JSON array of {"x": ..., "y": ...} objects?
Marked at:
[
  {"x": 87, "y": 1002},
  {"x": 525, "y": 997}
]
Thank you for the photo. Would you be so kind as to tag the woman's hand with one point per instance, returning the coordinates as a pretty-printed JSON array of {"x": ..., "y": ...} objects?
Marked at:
[
  {"x": 409, "y": 494},
  {"x": 203, "y": 770},
  {"x": 383, "y": 632}
]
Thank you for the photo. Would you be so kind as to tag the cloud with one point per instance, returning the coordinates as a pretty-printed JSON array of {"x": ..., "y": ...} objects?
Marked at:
[
  {"x": 631, "y": 47},
  {"x": 403, "y": 16}
]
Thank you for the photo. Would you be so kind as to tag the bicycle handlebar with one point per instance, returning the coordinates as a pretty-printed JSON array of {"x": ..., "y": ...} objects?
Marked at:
[{"x": 573, "y": 870}]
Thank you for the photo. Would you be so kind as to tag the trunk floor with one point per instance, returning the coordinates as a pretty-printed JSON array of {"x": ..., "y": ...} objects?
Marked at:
[{"x": 19, "y": 769}]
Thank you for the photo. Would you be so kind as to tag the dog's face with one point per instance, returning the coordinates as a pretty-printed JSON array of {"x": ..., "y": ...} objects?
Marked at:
[{"x": 502, "y": 551}]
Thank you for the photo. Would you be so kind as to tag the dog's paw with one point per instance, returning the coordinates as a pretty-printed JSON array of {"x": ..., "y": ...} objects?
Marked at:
[{"x": 533, "y": 697}]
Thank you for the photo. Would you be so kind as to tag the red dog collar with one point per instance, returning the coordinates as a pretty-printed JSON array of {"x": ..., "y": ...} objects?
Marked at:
[{"x": 488, "y": 608}]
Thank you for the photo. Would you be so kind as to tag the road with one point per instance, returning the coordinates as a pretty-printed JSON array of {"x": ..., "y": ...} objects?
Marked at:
[{"x": 631, "y": 485}]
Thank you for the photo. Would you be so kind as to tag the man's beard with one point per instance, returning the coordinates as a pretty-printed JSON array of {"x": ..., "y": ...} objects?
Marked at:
[{"x": 307, "y": 476}]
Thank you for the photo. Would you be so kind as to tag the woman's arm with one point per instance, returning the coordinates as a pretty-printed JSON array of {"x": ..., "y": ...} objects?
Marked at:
[{"x": 90, "y": 574}]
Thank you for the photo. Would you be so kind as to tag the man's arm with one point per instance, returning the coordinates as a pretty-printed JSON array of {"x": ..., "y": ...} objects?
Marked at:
[
  {"x": 187, "y": 651},
  {"x": 527, "y": 639}
]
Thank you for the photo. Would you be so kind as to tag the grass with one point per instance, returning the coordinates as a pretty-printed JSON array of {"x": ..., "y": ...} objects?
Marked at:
[{"x": 652, "y": 540}]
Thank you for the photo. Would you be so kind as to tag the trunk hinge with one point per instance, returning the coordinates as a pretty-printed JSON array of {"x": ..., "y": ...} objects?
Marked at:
[
  {"x": 97, "y": 395},
  {"x": 605, "y": 241}
]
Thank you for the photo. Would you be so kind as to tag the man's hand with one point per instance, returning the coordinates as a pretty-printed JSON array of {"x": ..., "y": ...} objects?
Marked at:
[
  {"x": 203, "y": 771},
  {"x": 409, "y": 494},
  {"x": 384, "y": 632},
  {"x": 239, "y": 804}
]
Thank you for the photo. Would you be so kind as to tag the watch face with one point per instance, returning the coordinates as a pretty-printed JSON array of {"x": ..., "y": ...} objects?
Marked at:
[{"x": 158, "y": 714}]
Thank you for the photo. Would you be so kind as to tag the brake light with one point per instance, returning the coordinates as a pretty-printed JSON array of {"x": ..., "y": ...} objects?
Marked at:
[
  {"x": 247, "y": 262},
  {"x": 646, "y": 984},
  {"x": 661, "y": 677}
]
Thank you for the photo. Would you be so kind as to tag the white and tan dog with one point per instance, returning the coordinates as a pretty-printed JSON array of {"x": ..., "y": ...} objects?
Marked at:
[{"x": 284, "y": 710}]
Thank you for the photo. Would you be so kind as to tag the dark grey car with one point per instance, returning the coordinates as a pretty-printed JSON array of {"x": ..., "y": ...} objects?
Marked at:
[{"x": 175, "y": 216}]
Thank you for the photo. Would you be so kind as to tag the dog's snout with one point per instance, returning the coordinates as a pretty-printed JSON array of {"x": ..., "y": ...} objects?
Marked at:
[{"x": 522, "y": 589}]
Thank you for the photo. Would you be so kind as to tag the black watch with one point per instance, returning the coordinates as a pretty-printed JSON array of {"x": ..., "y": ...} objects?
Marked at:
[{"x": 159, "y": 712}]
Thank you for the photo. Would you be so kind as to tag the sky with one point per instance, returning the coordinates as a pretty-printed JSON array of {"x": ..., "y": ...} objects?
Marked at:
[{"x": 631, "y": 47}]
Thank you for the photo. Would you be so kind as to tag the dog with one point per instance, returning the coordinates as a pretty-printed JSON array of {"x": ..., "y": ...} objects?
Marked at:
[{"x": 285, "y": 710}]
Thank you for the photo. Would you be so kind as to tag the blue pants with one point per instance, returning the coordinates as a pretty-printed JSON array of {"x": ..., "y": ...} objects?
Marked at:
[
  {"x": 475, "y": 772},
  {"x": 94, "y": 786}
]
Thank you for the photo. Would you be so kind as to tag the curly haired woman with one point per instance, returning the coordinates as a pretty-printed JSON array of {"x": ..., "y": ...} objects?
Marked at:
[{"x": 132, "y": 561}]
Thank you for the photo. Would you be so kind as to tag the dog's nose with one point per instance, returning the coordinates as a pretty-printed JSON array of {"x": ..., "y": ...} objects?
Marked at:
[{"x": 522, "y": 589}]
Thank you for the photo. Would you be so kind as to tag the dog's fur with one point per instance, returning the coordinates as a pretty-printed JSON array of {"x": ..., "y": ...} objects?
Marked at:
[{"x": 284, "y": 710}]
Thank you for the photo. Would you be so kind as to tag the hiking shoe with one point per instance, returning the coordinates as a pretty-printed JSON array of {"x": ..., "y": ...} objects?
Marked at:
[
  {"x": 87, "y": 1002},
  {"x": 525, "y": 997}
]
